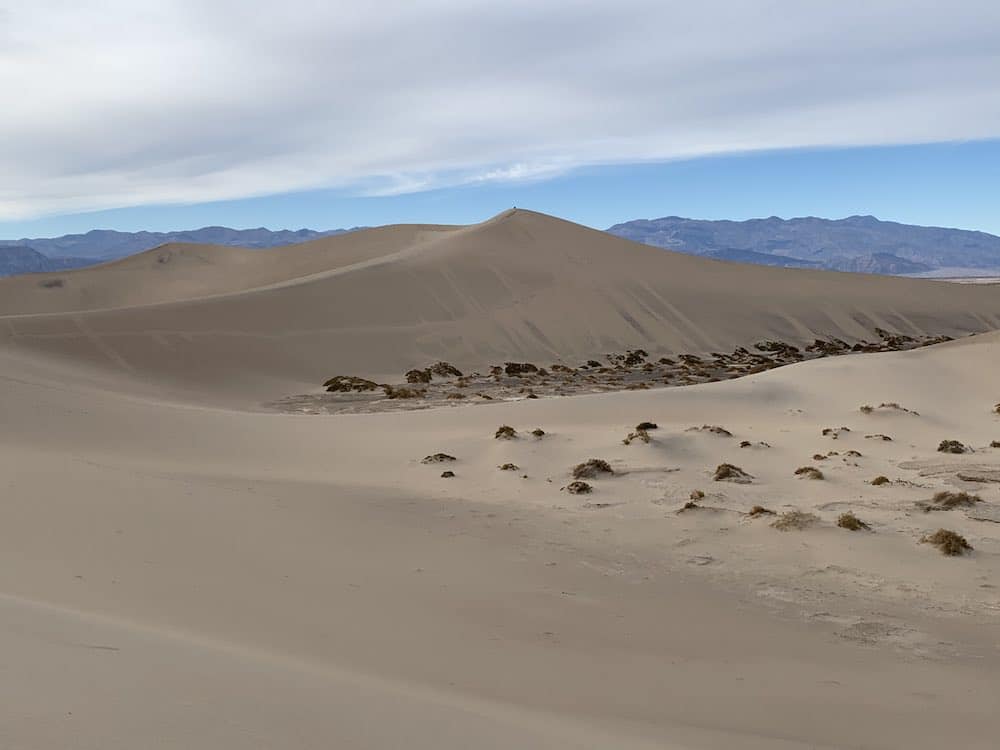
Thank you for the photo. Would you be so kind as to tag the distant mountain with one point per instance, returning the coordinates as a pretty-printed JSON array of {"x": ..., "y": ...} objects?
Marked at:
[
  {"x": 857, "y": 243},
  {"x": 106, "y": 244},
  {"x": 17, "y": 259}
]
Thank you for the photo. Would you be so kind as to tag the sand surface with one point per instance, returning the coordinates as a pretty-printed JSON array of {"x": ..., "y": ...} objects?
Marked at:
[{"x": 181, "y": 569}]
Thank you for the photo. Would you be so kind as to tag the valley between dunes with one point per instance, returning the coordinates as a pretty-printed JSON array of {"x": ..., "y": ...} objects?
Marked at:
[{"x": 181, "y": 568}]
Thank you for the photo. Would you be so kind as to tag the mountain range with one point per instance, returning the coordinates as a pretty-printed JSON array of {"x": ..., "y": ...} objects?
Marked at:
[{"x": 860, "y": 244}]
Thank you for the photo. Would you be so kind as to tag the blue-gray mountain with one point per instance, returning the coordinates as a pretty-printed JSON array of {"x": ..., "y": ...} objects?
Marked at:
[
  {"x": 17, "y": 259},
  {"x": 857, "y": 243}
]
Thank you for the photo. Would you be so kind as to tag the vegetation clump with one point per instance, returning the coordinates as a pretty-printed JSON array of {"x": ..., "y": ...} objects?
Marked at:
[
  {"x": 951, "y": 446},
  {"x": 647, "y": 426},
  {"x": 888, "y": 406},
  {"x": 809, "y": 472},
  {"x": 697, "y": 495},
  {"x": 445, "y": 370},
  {"x": 447, "y": 474},
  {"x": 851, "y": 522},
  {"x": 505, "y": 432},
  {"x": 438, "y": 458},
  {"x": 392, "y": 392},
  {"x": 578, "y": 488},
  {"x": 731, "y": 473},
  {"x": 418, "y": 376},
  {"x": 713, "y": 429},
  {"x": 517, "y": 369},
  {"x": 794, "y": 520},
  {"x": 538, "y": 432},
  {"x": 348, "y": 383},
  {"x": 947, "y": 500},
  {"x": 592, "y": 468},
  {"x": 995, "y": 444},
  {"x": 760, "y": 510},
  {"x": 880, "y": 480},
  {"x": 642, "y": 435},
  {"x": 879, "y": 436},
  {"x": 834, "y": 432},
  {"x": 949, "y": 542},
  {"x": 508, "y": 467}
]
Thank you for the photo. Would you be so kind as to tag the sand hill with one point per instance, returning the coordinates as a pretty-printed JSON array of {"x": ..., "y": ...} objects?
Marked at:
[
  {"x": 521, "y": 286},
  {"x": 179, "y": 568}
]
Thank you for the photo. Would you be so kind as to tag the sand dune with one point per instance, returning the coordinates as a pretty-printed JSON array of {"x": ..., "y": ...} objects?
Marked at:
[
  {"x": 521, "y": 286},
  {"x": 180, "y": 569}
]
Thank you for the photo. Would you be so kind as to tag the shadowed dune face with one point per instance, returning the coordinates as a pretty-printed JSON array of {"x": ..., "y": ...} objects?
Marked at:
[{"x": 522, "y": 286}]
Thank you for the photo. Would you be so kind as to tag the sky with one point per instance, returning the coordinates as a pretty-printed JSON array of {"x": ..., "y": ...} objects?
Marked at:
[{"x": 175, "y": 114}]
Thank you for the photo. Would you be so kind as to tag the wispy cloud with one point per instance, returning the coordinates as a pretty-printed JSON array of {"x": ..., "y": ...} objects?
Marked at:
[{"x": 116, "y": 103}]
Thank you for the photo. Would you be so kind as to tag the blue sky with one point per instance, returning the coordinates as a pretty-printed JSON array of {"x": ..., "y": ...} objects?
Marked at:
[
  {"x": 952, "y": 184},
  {"x": 172, "y": 114}
]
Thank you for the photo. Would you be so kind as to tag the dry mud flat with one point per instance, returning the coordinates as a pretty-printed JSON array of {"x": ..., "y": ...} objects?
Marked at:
[{"x": 443, "y": 384}]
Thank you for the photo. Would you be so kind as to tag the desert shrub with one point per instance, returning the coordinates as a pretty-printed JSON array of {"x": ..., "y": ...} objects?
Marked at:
[
  {"x": 447, "y": 474},
  {"x": 508, "y": 467},
  {"x": 795, "y": 520},
  {"x": 834, "y": 432},
  {"x": 505, "y": 432},
  {"x": 697, "y": 495},
  {"x": 347, "y": 383},
  {"x": 760, "y": 510},
  {"x": 996, "y": 409},
  {"x": 818, "y": 457},
  {"x": 867, "y": 409},
  {"x": 520, "y": 368},
  {"x": 392, "y": 392},
  {"x": 445, "y": 370},
  {"x": 731, "y": 473},
  {"x": 809, "y": 472},
  {"x": 855, "y": 454},
  {"x": 713, "y": 429},
  {"x": 951, "y": 446},
  {"x": 592, "y": 468},
  {"x": 418, "y": 376},
  {"x": 637, "y": 435},
  {"x": 438, "y": 458},
  {"x": 949, "y": 542},
  {"x": 689, "y": 505},
  {"x": 880, "y": 480},
  {"x": 455, "y": 396},
  {"x": 578, "y": 488},
  {"x": 879, "y": 436},
  {"x": 947, "y": 500},
  {"x": 646, "y": 426},
  {"x": 995, "y": 444},
  {"x": 851, "y": 522}
]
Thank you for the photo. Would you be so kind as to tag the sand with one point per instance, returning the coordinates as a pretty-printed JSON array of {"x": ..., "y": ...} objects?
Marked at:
[{"x": 181, "y": 568}]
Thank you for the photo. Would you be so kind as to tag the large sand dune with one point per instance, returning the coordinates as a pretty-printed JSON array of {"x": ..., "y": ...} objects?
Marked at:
[
  {"x": 180, "y": 571},
  {"x": 525, "y": 286}
]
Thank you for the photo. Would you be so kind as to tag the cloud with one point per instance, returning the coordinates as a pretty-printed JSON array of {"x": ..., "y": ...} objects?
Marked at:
[{"x": 115, "y": 103}]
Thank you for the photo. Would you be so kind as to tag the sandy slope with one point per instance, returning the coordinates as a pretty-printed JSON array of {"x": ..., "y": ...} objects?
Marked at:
[
  {"x": 179, "y": 574},
  {"x": 521, "y": 286}
]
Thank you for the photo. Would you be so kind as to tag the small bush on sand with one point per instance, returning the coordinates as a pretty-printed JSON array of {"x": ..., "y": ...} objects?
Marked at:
[
  {"x": 592, "y": 468},
  {"x": 447, "y": 474},
  {"x": 879, "y": 436},
  {"x": 948, "y": 542},
  {"x": 880, "y": 480},
  {"x": 995, "y": 444},
  {"x": 505, "y": 432},
  {"x": 760, "y": 510},
  {"x": 538, "y": 432},
  {"x": 834, "y": 432},
  {"x": 887, "y": 406},
  {"x": 854, "y": 454},
  {"x": 637, "y": 435},
  {"x": 714, "y": 429},
  {"x": 819, "y": 457},
  {"x": 867, "y": 409},
  {"x": 392, "y": 392},
  {"x": 646, "y": 426},
  {"x": 346, "y": 383},
  {"x": 508, "y": 467},
  {"x": 951, "y": 446},
  {"x": 996, "y": 409},
  {"x": 438, "y": 458},
  {"x": 418, "y": 376},
  {"x": 697, "y": 495},
  {"x": 809, "y": 472},
  {"x": 731, "y": 473},
  {"x": 794, "y": 520},
  {"x": 851, "y": 522},
  {"x": 455, "y": 396},
  {"x": 946, "y": 500},
  {"x": 445, "y": 370},
  {"x": 578, "y": 488}
]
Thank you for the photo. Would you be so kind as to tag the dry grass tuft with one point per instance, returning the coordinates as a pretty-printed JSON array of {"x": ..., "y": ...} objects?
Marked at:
[
  {"x": 760, "y": 510},
  {"x": 879, "y": 436},
  {"x": 438, "y": 458},
  {"x": 578, "y": 488},
  {"x": 834, "y": 432},
  {"x": 392, "y": 392},
  {"x": 538, "y": 432},
  {"x": 348, "y": 383},
  {"x": 505, "y": 432},
  {"x": 647, "y": 426},
  {"x": 951, "y": 446},
  {"x": 949, "y": 542},
  {"x": 809, "y": 472},
  {"x": 508, "y": 467},
  {"x": 447, "y": 474},
  {"x": 851, "y": 522},
  {"x": 637, "y": 435},
  {"x": 794, "y": 520},
  {"x": 995, "y": 444},
  {"x": 946, "y": 500},
  {"x": 592, "y": 468},
  {"x": 697, "y": 495},
  {"x": 880, "y": 480},
  {"x": 731, "y": 473}
]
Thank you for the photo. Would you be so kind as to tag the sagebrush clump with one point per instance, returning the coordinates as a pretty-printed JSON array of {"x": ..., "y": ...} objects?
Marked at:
[
  {"x": 851, "y": 522},
  {"x": 642, "y": 435},
  {"x": 809, "y": 472},
  {"x": 949, "y": 542},
  {"x": 951, "y": 446},
  {"x": 505, "y": 432},
  {"x": 795, "y": 520},
  {"x": 592, "y": 468},
  {"x": 578, "y": 488},
  {"x": 948, "y": 500},
  {"x": 731, "y": 473},
  {"x": 880, "y": 480}
]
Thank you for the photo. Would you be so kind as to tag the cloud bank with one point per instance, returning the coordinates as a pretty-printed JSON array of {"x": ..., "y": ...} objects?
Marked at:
[{"x": 118, "y": 103}]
